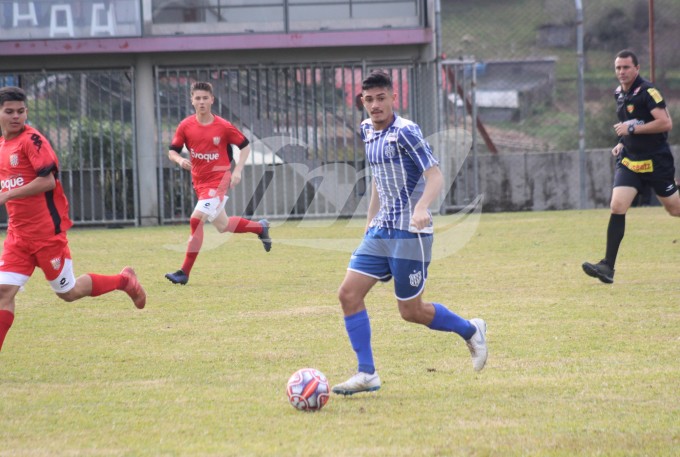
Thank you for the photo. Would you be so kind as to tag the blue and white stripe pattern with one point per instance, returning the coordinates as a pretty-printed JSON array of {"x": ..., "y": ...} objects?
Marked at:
[{"x": 397, "y": 156}]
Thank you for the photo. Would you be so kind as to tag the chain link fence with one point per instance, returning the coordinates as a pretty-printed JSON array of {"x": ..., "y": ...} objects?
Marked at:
[{"x": 527, "y": 65}]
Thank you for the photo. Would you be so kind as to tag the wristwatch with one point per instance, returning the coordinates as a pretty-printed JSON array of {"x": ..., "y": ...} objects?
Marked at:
[{"x": 631, "y": 129}]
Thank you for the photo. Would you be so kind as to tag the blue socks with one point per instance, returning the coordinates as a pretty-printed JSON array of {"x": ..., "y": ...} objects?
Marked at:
[
  {"x": 446, "y": 321},
  {"x": 359, "y": 330}
]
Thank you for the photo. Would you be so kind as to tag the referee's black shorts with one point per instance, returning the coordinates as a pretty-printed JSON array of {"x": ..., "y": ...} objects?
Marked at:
[{"x": 661, "y": 178}]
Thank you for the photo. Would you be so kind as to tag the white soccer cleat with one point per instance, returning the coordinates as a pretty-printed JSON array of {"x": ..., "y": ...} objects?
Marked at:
[
  {"x": 477, "y": 344},
  {"x": 360, "y": 382}
]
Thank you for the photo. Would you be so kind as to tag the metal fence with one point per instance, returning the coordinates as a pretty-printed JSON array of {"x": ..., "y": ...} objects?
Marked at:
[
  {"x": 544, "y": 79},
  {"x": 88, "y": 118},
  {"x": 509, "y": 86},
  {"x": 527, "y": 65},
  {"x": 302, "y": 122}
]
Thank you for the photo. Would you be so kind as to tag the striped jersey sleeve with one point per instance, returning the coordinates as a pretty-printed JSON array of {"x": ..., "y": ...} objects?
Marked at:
[{"x": 397, "y": 157}]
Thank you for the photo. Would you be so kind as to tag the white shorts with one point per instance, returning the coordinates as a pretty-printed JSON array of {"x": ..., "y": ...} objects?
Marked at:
[
  {"x": 61, "y": 284},
  {"x": 212, "y": 206}
]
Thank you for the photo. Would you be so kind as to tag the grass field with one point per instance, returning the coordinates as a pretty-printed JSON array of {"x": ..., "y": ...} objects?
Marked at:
[{"x": 576, "y": 367}]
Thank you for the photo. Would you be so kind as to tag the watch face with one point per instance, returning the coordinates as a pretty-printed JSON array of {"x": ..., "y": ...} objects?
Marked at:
[{"x": 631, "y": 129}]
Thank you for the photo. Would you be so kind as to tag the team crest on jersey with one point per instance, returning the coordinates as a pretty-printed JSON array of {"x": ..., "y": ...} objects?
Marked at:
[
  {"x": 13, "y": 160},
  {"x": 390, "y": 150},
  {"x": 630, "y": 108},
  {"x": 415, "y": 278},
  {"x": 56, "y": 263},
  {"x": 216, "y": 140}
]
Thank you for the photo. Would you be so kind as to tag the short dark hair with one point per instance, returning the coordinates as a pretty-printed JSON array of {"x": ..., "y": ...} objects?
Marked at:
[
  {"x": 201, "y": 85},
  {"x": 12, "y": 94},
  {"x": 628, "y": 53},
  {"x": 377, "y": 78}
]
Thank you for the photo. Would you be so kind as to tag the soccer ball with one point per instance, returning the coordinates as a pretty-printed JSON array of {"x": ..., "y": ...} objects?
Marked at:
[{"x": 308, "y": 389}]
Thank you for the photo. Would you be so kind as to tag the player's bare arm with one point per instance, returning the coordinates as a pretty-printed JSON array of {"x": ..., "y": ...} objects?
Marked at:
[
  {"x": 176, "y": 157},
  {"x": 238, "y": 169},
  {"x": 39, "y": 185},
  {"x": 373, "y": 205},
  {"x": 433, "y": 186}
]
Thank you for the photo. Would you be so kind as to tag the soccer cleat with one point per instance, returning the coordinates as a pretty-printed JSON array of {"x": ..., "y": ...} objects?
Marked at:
[
  {"x": 178, "y": 277},
  {"x": 264, "y": 236},
  {"x": 133, "y": 288},
  {"x": 601, "y": 270},
  {"x": 360, "y": 382},
  {"x": 477, "y": 344}
]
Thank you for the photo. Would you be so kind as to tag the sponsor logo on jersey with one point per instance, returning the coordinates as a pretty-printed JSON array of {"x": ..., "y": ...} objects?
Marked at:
[
  {"x": 638, "y": 166},
  {"x": 655, "y": 94},
  {"x": 208, "y": 157},
  {"x": 216, "y": 140},
  {"x": 635, "y": 92},
  {"x": 14, "y": 160},
  {"x": 369, "y": 134},
  {"x": 391, "y": 137},
  {"x": 415, "y": 278},
  {"x": 56, "y": 263},
  {"x": 630, "y": 108},
  {"x": 11, "y": 183}
]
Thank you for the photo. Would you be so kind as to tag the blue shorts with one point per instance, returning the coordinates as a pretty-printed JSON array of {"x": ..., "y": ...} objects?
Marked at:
[{"x": 387, "y": 253}]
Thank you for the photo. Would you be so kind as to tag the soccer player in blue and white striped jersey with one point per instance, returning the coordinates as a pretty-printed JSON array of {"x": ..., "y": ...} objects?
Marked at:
[{"x": 397, "y": 244}]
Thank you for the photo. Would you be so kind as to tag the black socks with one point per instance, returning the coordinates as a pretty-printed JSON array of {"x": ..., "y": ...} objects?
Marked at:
[{"x": 615, "y": 231}]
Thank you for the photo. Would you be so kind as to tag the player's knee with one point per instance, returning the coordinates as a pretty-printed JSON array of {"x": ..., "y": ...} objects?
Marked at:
[
  {"x": 412, "y": 312},
  {"x": 409, "y": 315},
  {"x": 674, "y": 211},
  {"x": 345, "y": 295},
  {"x": 68, "y": 297},
  {"x": 618, "y": 208},
  {"x": 221, "y": 228},
  {"x": 349, "y": 298}
]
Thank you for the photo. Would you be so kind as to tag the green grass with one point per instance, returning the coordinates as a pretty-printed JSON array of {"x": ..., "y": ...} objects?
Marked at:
[{"x": 576, "y": 367}]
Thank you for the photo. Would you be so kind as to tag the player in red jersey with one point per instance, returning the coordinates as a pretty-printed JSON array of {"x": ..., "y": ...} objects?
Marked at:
[
  {"x": 38, "y": 218},
  {"x": 207, "y": 137}
]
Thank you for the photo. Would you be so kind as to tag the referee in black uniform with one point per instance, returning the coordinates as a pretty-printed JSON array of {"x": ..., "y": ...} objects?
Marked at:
[{"x": 643, "y": 156}]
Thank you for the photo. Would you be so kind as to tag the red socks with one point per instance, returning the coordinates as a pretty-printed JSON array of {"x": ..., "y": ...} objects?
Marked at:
[
  {"x": 102, "y": 284},
  {"x": 6, "y": 319},
  {"x": 235, "y": 225},
  {"x": 241, "y": 225},
  {"x": 195, "y": 243}
]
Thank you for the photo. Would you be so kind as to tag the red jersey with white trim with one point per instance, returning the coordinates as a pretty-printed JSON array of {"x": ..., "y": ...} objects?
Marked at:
[
  {"x": 208, "y": 149},
  {"x": 23, "y": 159}
]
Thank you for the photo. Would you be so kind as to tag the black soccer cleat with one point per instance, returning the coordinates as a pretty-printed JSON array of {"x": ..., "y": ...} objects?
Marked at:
[
  {"x": 264, "y": 236},
  {"x": 601, "y": 270},
  {"x": 178, "y": 277}
]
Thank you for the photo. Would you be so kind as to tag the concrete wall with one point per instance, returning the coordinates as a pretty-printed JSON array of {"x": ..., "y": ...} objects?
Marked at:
[{"x": 547, "y": 181}]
